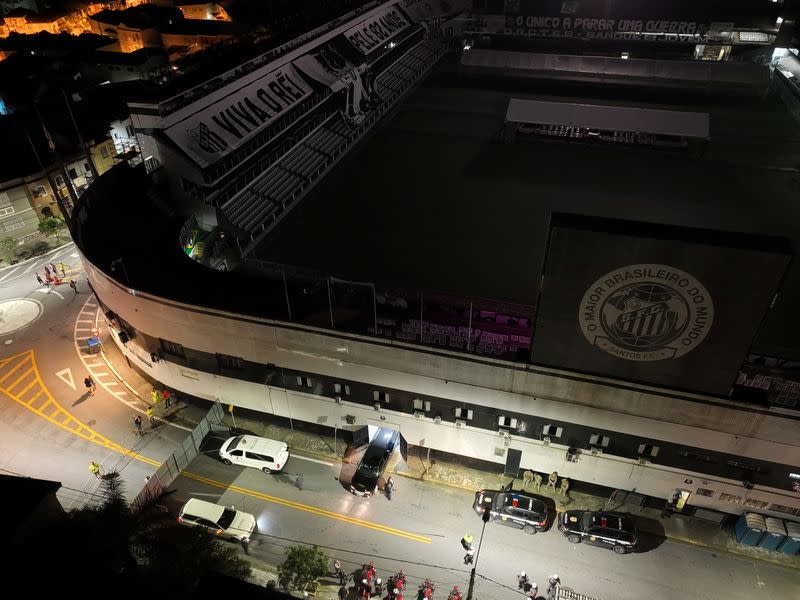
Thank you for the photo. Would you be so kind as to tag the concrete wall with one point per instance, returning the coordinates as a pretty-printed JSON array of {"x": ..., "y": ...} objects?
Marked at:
[{"x": 508, "y": 387}]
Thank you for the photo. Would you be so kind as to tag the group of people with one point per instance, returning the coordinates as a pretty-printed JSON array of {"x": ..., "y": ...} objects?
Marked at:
[
  {"x": 368, "y": 585},
  {"x": 531, "y": 590},
  {"x": 51, "y": 276}
]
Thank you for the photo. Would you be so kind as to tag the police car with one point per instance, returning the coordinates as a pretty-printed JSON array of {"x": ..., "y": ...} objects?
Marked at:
[
  {"x": 514, "y": 509},
  {"x": 606, "y": 529},
  {"x": 253, "y": 451}
]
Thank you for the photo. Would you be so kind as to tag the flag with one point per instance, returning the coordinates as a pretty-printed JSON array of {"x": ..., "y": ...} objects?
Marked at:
[{"x": 50, "y": 141}]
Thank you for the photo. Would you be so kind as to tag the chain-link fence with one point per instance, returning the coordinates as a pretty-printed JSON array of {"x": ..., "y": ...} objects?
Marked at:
[{"x": 180, "y": 459}]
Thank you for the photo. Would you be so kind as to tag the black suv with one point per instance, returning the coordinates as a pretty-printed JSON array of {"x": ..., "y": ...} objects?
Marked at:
[
  {"x": 606, "y": 529},
  {"x": 365, "y": 480},
  {"x": 515, "y": 509}
]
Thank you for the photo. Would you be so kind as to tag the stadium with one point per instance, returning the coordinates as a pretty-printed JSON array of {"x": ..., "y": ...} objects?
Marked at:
[{"x": 398, "y": 220}]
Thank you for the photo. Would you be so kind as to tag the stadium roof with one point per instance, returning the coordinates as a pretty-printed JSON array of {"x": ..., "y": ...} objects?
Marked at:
[{"x": 610, "y": 118}]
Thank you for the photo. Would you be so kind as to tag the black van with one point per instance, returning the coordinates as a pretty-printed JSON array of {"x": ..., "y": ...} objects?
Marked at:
[{"x": 370, "y": 469}]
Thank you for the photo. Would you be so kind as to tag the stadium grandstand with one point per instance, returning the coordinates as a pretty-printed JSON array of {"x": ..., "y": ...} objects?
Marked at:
[{"x": 511, "y": 304}]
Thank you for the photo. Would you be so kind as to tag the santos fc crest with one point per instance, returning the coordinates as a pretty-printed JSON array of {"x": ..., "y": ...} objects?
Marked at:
[{"x": 646, "y": 313}]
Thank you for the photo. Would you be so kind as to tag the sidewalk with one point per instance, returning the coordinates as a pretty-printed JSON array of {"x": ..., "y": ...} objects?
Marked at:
[{"x": 444, "y": 472}]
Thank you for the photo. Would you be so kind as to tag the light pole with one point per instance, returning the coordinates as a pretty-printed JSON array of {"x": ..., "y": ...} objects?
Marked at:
[{"x": 486, "y": 516}]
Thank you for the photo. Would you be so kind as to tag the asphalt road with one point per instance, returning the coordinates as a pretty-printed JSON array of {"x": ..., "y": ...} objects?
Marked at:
[{"x": 420, "y": 529}]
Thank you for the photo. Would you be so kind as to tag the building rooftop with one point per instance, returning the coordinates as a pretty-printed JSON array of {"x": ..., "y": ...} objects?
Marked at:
[{"x": 436, "y": 201}]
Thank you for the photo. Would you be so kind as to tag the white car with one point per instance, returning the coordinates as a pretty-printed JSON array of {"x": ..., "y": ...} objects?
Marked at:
[
  {"x": 219, "y": 520},
  {"x": 257, "y": 452}
]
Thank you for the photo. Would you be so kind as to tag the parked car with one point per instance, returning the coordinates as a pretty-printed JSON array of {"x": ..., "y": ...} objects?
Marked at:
[
  {"x": 515, "y": 509},
  {"x": 253, "y": 451},
  {"x": 370, "y": 469},
  {"x": 606, "y": 529},
  {"x": 219, "y": 520}
]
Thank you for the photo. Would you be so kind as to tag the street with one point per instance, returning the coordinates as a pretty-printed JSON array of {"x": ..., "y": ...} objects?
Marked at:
[{"x": 51, "y": 428}]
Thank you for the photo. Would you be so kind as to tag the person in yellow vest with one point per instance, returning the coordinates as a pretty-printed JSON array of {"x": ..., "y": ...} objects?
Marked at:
[
  {"x": 151, "y": 416},
  {"x": 155, "y": 397},
  {"x": 94, "y": 468}
]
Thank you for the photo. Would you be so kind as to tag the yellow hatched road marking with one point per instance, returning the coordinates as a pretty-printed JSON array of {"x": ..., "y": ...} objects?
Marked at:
[
  {"x": 27, "y": 387},
  {"x": 51, "y": 408},
  {"x": 76, "y": 427},
  {"x": 32, "y": 400},
  {"x": 20, "y": 378}
]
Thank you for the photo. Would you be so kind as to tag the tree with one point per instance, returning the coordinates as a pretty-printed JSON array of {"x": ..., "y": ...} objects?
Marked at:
[
  {"x": 51, "y": 225},
  {"x": 111, "y": 546},
  {"x": 7, "y": 244},
  {"x": 303, "y": 565}
]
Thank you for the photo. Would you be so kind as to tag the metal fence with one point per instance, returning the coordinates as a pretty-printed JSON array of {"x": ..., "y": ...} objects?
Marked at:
[{"x": 168, "y": 472}]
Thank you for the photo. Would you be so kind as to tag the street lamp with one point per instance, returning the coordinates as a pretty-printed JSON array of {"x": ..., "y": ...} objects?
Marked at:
[{"x": 486, "y": 516}]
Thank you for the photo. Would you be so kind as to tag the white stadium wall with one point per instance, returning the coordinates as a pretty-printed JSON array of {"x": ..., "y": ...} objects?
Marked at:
[{"x": 488, "y": 383}]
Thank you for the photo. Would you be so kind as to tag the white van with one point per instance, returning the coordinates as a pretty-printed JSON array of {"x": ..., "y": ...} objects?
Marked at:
[
  {"x": 256, "y": 452},
  {"x": 220, "y": 520}
]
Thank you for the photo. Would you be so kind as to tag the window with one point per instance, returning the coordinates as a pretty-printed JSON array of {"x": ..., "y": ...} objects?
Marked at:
[
  {"x": 104, "y": 151},
  {"x": 705, "y": 492},
  {"x": 380, "y": 396},
  {"x": 229, "y": 362},
  {"x": 6, "y": 210},
  {"x": 13, "y": 223},
  {"x": 552, "y": 431},
  {"x": 340, "y": 389},
  {"x": 599, "y": 440},
  {"x": 463, "y": 413},
  {"x": 784, "y": 509},
  {"x": 4, "y": 200},
  {"x": 172, "y": 348},
  {"x": 59, "y": 181},
  {"x": 73, "y": 174},
  {"x": 237, "y": 453},
  {"x": 422, "y": 405},
  {"x": 730, "y": 498},
  {"x": 506, "y": 421},
  {"x": 648, "y": 450},
  {"x": 303, "y": 381},
  {"x": 39, "y": 191},
  {"x": 755, "y": 503},
  {"x": 129, "y": 130}
]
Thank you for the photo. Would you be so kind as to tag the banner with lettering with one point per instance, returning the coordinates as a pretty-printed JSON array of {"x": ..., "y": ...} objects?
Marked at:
[
  {"x": 230, "y": 122},
  {"x": 372, "y": 33}
]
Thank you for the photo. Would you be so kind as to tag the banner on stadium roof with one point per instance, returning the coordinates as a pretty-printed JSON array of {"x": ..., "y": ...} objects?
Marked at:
[
  {"x": 370, "y": 34},
  {"x": 230, "y": 122}
]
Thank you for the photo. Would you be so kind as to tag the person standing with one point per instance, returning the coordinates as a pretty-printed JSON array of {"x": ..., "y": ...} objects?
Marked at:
[
  {"x": 389, "y": 487},
  {"x": 298, "y": 483},
  {"x": 53, "y": 267},
  {"x": 39, "y": 279},
  {"x": 47, "y": 272},
  {"x": 155, "y": 398},
  {"x": 466, "y": 541},
  {"x": 469, "y": 557},
  {"x": 90, "y": 385},
  {"x": 151, "y": 417},
  {"x": 167, "y": 396},
  {"x": 94, "y": 468},
  {"x": 531, "y": 590},
  {"x": 552, "y": 586},
  {"x": 137, "y": 420},
  {"x": 74, "y": 286},
  {"x": 522, "y": 579},
  {"x": 63, "y": 268}
]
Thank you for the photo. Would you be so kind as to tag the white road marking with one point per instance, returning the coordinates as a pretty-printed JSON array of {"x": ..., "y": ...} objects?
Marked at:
[
  {"x": 84, "y": 321},
  {"x": 29, "y": 268},
  {"x": 43, "y": 291},
  {"x": 10, "y": 274},
  {"x": 134, "y": 403},
  {"x": 74, "y": 255},
  {"x": 314, "y": 460},
  {"x": 66, "y": 376}
]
